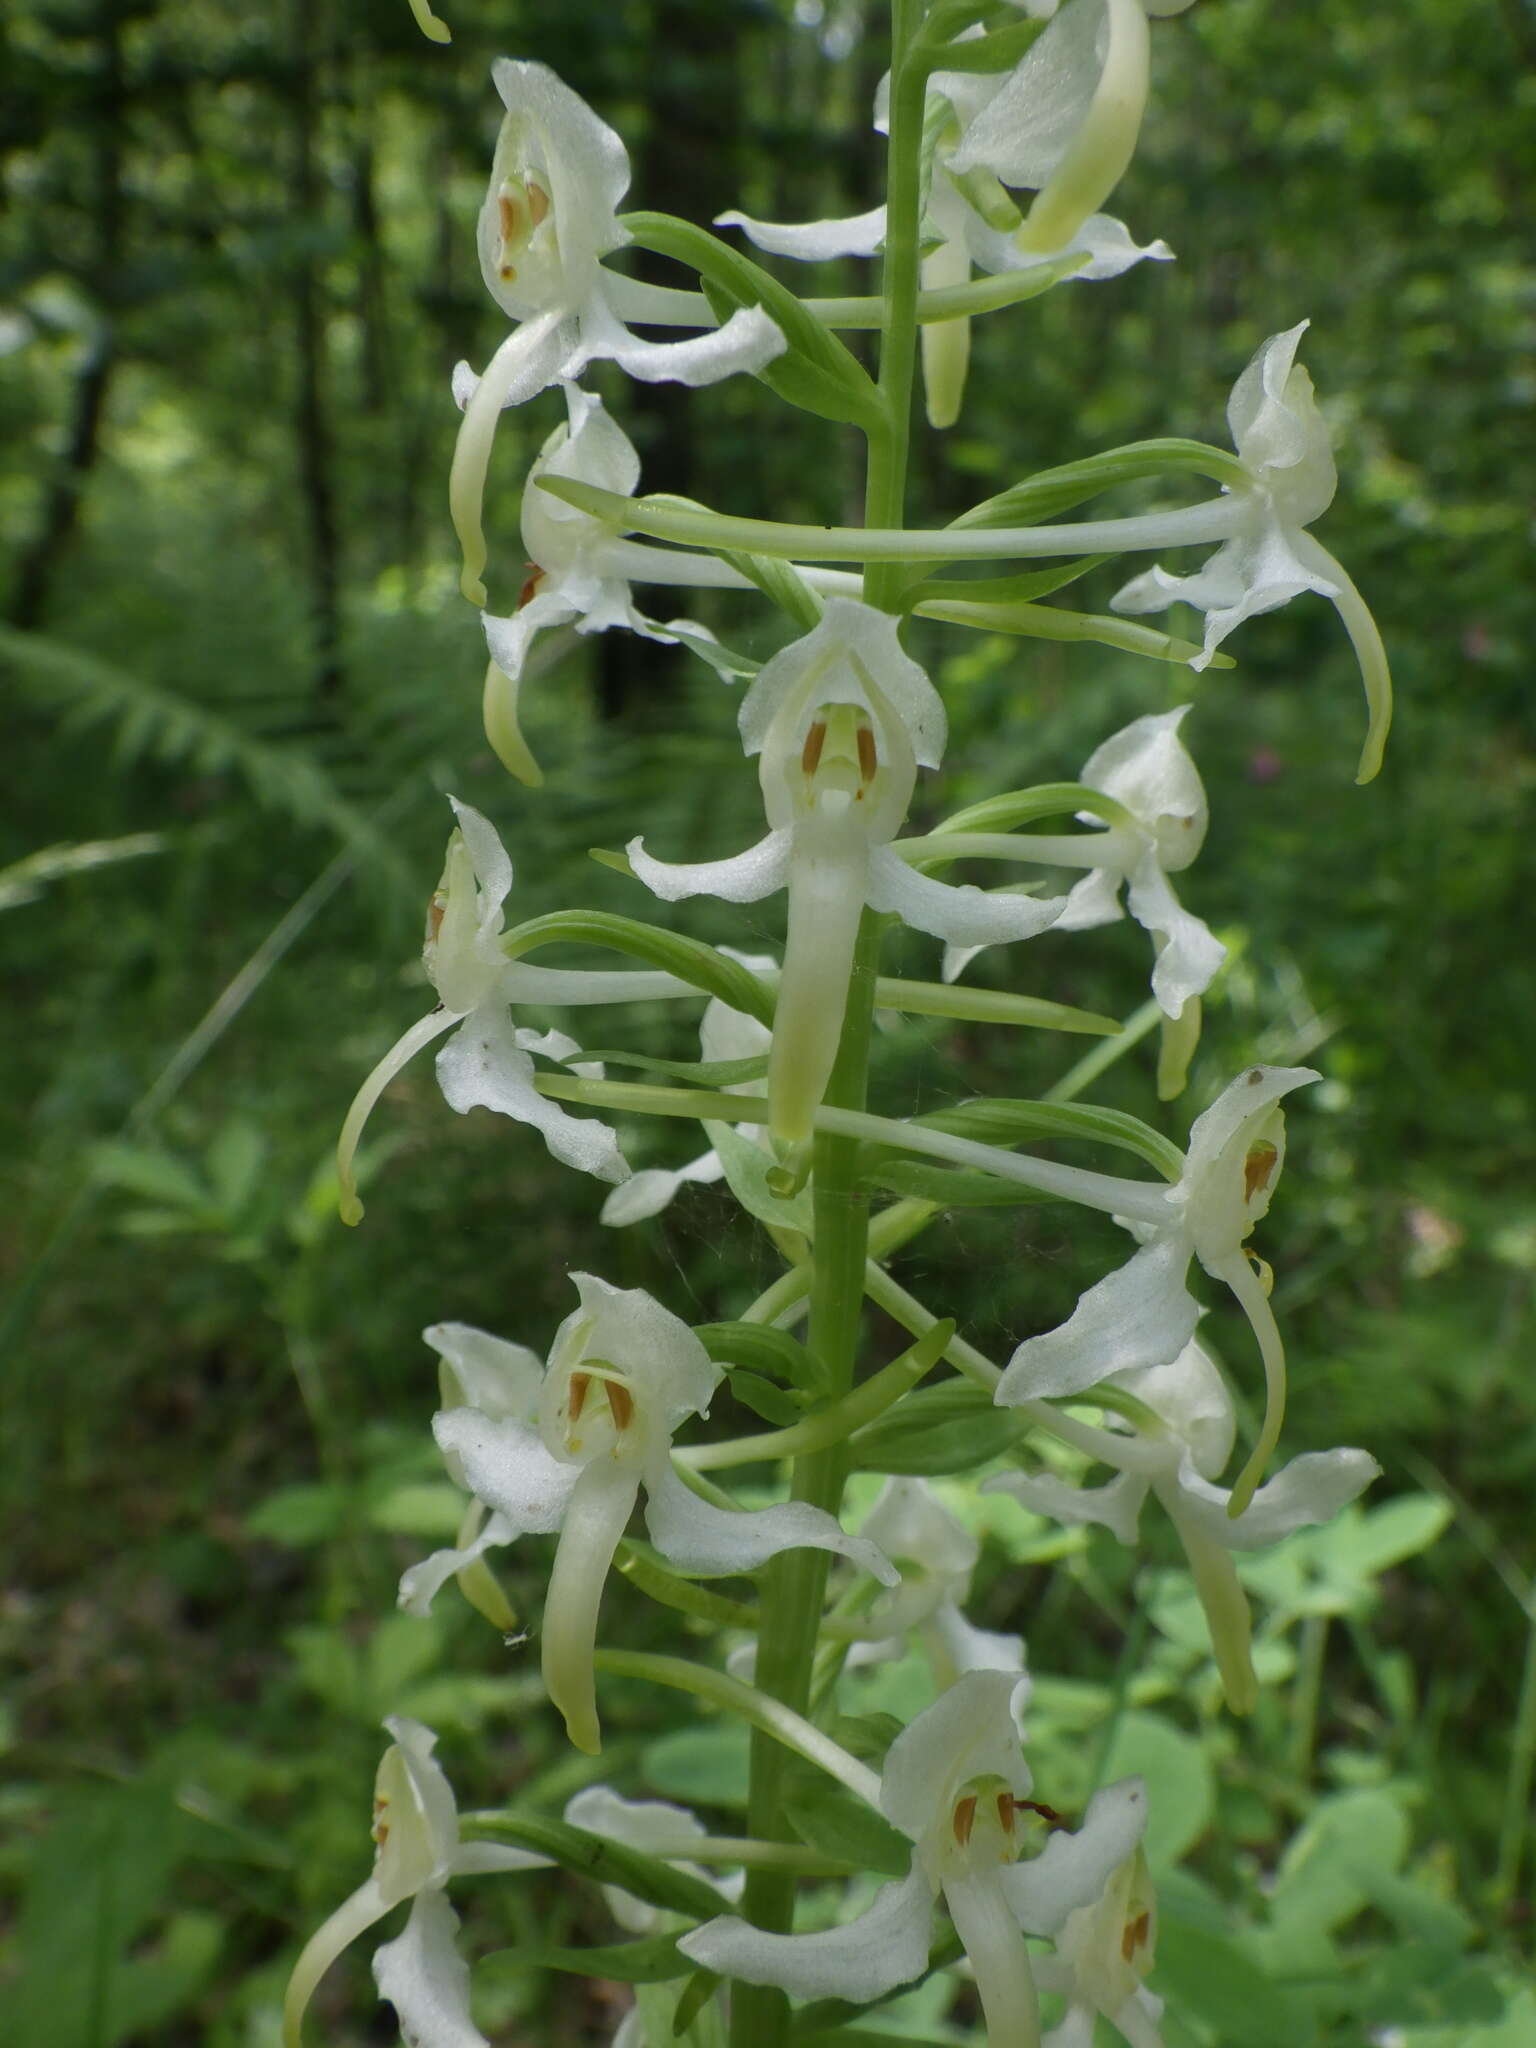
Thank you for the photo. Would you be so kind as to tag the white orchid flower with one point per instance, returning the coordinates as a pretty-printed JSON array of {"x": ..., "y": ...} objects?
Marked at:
[
  {"x": 548, "y": 220},
  {"x": 841, "y": 719},
  {"x": 1177, "y": 1453},
  {"x": 489, "y": 1061},
  {"x": 1063, "y": 122},
  {"x": 1143, "y": 1314},
  {"x": 1270, "y": 557},
  {"x": 1103, "y": 1951},
  {"x": 569, "y": 1449},
  {"x": 658, "y": 1828},
  {"x": 955, "y": 1783},
  {"x": 1146, "y": 768},
  {"x": 580, "y": 571},
  {"x": 416, "y": 1832},
  {"x": 724, "y": 1034},
  {"x": 936, "y": 1555}
]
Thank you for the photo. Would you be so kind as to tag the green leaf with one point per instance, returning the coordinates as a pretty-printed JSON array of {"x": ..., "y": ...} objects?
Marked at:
[
  {"x": 299, "y": 1516},
  {"x": 689, "y": 959},
  {"x": 765, "y": 1350},
  {"x": 828, "y": 1818},
  {"x": 780, "y": 582},
  {"x": 1371, "y": 1540},
  {"x": 701, "y": 1766},
  {"x": 950, "y": 1187},
  {"x": 158, "y": 1176},
  {"x": 1326, "y": 1873},
  {"x": 703, "y": 1073},
  {"x": 765, "y": 1399},
  {"x": 1208, "y": 1976},
  {"x": 995, "y": 1120},
  {"x": 949, "y": 1428},
  {"x": 1021, "y": 589},
  {"x": 1051, "y": 492},
  {"x": 651, "y": 1961},
  {"x": 1178, "y": 1769},
  {"x": 747, "y": 1168},
  {"x": 608, "y": 1862},
  {"x": 817, "y": 372}
]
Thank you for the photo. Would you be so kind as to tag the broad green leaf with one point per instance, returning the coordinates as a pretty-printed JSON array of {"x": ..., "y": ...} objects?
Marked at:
[
  {"x": 1368, "y": 1541},
  {"x": 157, "y": 1176},
  {"x": 1326, "y": 1872},
  {"x": 1179, "y": 1773},
  {"x": 699, "y": 1766},
  {"x": 1207, "y": 1977}
]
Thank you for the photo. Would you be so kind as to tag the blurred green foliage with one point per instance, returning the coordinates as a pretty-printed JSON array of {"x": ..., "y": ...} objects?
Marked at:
[{"x": 236, "y": 266}]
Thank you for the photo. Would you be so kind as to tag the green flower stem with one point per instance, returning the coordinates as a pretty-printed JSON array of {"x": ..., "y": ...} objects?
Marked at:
[
  {"x": 662, "y": 306},
  {"x": 888, "y": 1232},
  {"x": 1187, "y": 526},
  {"x": 832, "y": 1425},
  {"x": 1099, "y": 1058},
  {"x": 782, "y": 1301},
  {"x": 764, "y": 1712}
]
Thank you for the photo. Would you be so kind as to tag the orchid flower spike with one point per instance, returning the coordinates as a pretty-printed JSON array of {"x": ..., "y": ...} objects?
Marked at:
[
  {"x": 580, "y": 571},
  {"x": 1143, "y": 1314},
  {"x": 1148, "y": 772},
  {"x": 567, "y": 1449},
  {"x": 417, "y": 1850},
  {"x": 936, "y": 1555},
  {"x": 841, "y": 720},
  {"x": 1063, "y": 122},
  {"x": 1176, "y": 1449},
  {"x": 548, "y": 220},
  {"x": 955, "y": 1783},
  {"x": 1282, "y": 443},
  {"x": 488, "y": 1063}
]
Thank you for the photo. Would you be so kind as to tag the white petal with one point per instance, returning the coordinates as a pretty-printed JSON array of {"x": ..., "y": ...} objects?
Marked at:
[
  {"x": 887, "y": 1945},
  {"x": 1073, "y": 1869},
  {"x": 426, "y": 1980},
  {"x": 1190, "y": 1397},
  {"x": 421, "y": 1583},
  {"x": 649, "y": 1191},
  {"x": 484, "y": 1066},
  {"x": 970, "y": 1731},
  {"x": 551, "y": 137},
  {"x": 1241, "y": 1103},
  {"x": 748, "y": 341},
  {"x": 1093, "y": 901},
  {"x": 508, "y": 1467},
  {"x": 701, "y": 1538},
  {"x": 1187, "y": 963},
  {"x": 1147, "y": 767},
  {"x": 1141, "y": 1314},
  {"x": 660, "y": 1355},
  {"x": 911, "y": 1524},
  {"x": 490, "y": 859},
  {"x": 1115, "y": 1506},
  {"x": 965, "y": 915},
  {"x": 963, "y": 1647},
  {"x": 594, "y": 1520},
  {"x": 1308, "y": 1491},
  {"x": 745, "y": 878},
  {"x": 500, "y": 1379},
  {"x": 981, "y": 1913},
  {"x": 852, "y": 646},
  {"x": 510, "y": 638},
  {"x": 816, "y": 241}
]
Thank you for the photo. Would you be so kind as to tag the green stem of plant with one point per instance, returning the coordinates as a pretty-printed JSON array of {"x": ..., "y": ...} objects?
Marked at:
[
  {"x": 1515, "y": 1826},
  {"x": 1307, "y": 1694}
]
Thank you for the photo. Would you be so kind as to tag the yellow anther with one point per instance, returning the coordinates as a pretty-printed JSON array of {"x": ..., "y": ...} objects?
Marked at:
[
  {"x": 815, "y": 740},
  {"x": 965, "y": 1818},
  {"x": 621, "y": 1404},
  {"x": 1007, "y": 1809}
]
